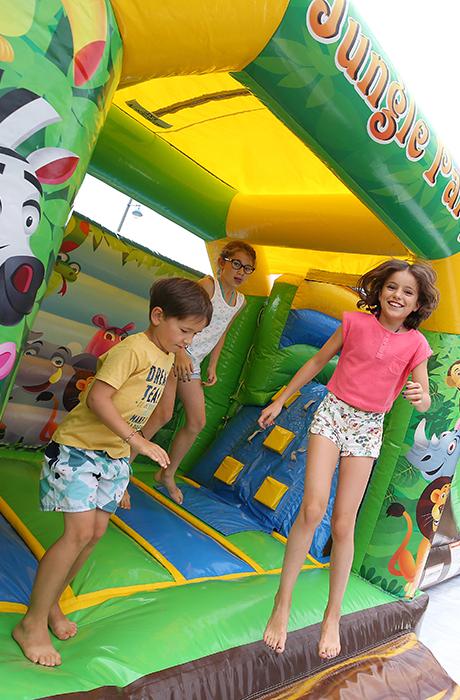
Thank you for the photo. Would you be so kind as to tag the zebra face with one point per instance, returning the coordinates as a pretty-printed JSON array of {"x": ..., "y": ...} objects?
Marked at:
[
  {"x": 21, "y": 273},
  {"x": 22, "y": 114}
]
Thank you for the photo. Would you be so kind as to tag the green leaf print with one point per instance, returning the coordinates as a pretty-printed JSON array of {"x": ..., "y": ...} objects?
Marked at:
[{"x": 321, "y": 94}]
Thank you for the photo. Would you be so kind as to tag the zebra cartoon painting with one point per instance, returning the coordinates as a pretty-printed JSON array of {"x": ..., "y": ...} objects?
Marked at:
[{"x": 23, "y": 114}]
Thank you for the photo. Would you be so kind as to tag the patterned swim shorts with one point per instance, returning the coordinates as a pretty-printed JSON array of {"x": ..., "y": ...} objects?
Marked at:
[
  {"x": 356, "y": 433},
  {"x": 74, "y": 480}
]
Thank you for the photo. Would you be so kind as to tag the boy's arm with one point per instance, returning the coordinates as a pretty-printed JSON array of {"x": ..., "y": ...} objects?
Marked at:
[
  {"x": 151, "y": 427},
  {"x": 417, "y": 392},
  {"x": 304, "y": 375},
  {"x": 183, "y": 366},
  {"x": 99, "y": 401}
]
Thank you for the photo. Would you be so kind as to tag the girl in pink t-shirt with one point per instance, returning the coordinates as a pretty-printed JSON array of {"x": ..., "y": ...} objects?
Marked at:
[{"x": 378, "y": 352}]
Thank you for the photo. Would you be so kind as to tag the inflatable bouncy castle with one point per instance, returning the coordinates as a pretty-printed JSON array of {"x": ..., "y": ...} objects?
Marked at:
[{"x": 280, "y": 123}]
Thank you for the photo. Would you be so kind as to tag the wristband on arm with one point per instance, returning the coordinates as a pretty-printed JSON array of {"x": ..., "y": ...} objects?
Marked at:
[{"x": 132, "y": 433}]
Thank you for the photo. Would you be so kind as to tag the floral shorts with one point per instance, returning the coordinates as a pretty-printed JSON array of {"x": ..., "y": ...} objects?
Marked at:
[
  {"x": 74, "y": 480},
  {"x": 356, "y": 433}
]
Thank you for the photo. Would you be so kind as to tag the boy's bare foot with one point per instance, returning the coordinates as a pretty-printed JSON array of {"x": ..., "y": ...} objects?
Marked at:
[
  {"x": 36, "y": 644},
  {"x": 276, "y": 630},
  {"x": 329, "y": 643},
  {"x": 60, "y": 625},
  {"x": 162, "y": 477}
]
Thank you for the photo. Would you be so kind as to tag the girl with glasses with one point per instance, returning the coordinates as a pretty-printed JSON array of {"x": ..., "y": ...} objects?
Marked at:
[{"x": 235, "y": 263}]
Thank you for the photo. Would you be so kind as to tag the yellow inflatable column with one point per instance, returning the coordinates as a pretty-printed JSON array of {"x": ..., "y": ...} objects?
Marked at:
[{"x": 446, "y": 318}]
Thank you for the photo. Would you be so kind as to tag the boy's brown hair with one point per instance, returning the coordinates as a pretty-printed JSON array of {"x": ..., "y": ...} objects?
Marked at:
[
  {"x": 371, "y": 284},
  {"x": 179, "y": 297}
]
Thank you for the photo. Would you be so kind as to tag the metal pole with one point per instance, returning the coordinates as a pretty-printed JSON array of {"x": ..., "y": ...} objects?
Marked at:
[{"x": 124, "y": 216}]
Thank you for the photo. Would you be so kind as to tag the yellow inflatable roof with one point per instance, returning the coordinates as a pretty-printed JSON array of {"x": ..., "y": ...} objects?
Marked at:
[{"x": 284, "y": 192}]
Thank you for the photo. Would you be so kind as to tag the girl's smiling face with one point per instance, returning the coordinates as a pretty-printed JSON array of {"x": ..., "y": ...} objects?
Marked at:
[{"x": 399, "y": 296}]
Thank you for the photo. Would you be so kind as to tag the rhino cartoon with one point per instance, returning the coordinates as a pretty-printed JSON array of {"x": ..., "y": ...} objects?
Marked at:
[{"x": 436, "y": 457}]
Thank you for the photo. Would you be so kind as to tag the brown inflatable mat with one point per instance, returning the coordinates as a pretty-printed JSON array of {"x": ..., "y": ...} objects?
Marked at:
[{"x": 403, "y": 669}]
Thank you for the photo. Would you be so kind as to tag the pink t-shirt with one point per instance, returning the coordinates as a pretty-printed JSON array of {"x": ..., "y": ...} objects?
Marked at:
[{"x": 374, "y": 363}]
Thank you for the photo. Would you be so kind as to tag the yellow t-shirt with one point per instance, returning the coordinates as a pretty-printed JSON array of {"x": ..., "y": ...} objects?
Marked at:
[{"x": 138, "y": 370}]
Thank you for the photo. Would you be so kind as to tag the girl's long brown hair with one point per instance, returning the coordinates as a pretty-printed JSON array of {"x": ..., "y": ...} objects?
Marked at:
[{"x": 371, "y": 284}]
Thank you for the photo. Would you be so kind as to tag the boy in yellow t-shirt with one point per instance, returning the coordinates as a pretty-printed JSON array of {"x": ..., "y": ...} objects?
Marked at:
[{"x": 87, "y": 464}]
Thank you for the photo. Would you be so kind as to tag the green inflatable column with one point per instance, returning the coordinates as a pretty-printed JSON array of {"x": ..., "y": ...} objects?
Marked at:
[
  {"x": 60, "y": 63},
  {"x": 268, "y": 366}
]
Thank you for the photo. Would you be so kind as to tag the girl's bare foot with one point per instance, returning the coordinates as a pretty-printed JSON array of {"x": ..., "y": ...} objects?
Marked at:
[
  {"x": 162, "y": 477},
  {"x": 60, "y": 625},
  {"x": 276, "y": 630},
  {"x": 329, "y": 643},
  {"x": 36, "y": 644}
]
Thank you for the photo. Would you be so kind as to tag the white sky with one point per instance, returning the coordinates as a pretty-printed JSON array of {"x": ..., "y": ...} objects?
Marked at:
[{"x": 421, "y": 39}]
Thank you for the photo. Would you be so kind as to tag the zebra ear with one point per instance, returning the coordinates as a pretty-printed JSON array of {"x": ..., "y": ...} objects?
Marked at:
[{"x": 53, "y": 166}]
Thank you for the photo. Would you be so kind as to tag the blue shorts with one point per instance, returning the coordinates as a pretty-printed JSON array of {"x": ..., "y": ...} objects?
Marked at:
[{"x": 74, "y": 480}]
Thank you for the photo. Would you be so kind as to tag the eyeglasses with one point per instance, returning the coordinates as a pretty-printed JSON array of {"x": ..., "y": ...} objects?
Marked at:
[{"x": 237, "y": 265}]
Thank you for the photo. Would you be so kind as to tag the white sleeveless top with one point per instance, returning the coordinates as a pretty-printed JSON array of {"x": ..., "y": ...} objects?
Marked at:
[{"x": 222, "y": 314}]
